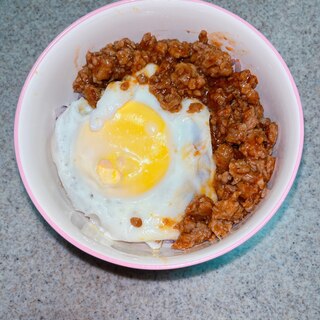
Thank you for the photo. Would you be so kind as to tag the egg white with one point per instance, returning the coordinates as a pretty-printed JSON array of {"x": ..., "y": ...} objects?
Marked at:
[{"x": 186, "y": 176}]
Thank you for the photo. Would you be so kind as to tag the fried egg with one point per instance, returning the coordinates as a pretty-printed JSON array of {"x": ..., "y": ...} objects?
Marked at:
[{"x": 132, "y": 164}]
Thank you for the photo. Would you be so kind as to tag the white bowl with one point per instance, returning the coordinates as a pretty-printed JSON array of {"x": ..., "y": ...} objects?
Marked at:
[{"x": 49, "y": 85}]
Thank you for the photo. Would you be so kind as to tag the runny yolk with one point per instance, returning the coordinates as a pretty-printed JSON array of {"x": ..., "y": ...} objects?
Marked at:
[{"x": 129, "y": 155}]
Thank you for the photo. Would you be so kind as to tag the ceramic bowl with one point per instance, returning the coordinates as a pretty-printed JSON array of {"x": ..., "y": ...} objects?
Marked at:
[{"x": 49, "y": 85}]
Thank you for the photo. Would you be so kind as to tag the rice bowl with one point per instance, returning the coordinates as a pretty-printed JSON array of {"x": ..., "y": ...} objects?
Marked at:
[{"x": 38, "y": 104}]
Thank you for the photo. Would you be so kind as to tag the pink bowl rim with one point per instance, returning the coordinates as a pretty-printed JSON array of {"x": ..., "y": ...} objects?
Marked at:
[{"x": 137, "y": 265}]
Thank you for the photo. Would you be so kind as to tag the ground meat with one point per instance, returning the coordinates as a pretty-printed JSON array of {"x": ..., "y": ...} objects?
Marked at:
[
  {"x": 125, "y": 85},
  {"x": 183, "y": 70},
  {"x": 136, "y": 222},
  {"x": 195, "y": 107},
  {"x": 194, "y": 228},
  {"x": 222, "y": 156},
  {"x": 242, "y": 139}
]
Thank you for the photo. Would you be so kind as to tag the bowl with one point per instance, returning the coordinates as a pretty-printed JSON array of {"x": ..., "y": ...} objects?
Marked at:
[{"x": 49, "y": 86}]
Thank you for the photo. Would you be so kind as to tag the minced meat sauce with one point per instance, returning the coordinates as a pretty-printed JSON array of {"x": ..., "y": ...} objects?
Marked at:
[{"x": 242, "y": 139}]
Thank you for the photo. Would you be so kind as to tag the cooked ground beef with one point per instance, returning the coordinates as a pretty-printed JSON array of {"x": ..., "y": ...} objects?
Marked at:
[
  {"x": 184, "y": 68},
  {"x": 242, "y": 139}
]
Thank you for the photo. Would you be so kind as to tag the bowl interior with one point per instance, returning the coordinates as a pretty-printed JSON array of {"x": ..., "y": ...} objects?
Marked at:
[{"x": 49, "y": 86}]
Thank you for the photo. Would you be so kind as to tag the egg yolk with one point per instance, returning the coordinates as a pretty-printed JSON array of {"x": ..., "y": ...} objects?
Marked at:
[{"x": 129, "y": 155}]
